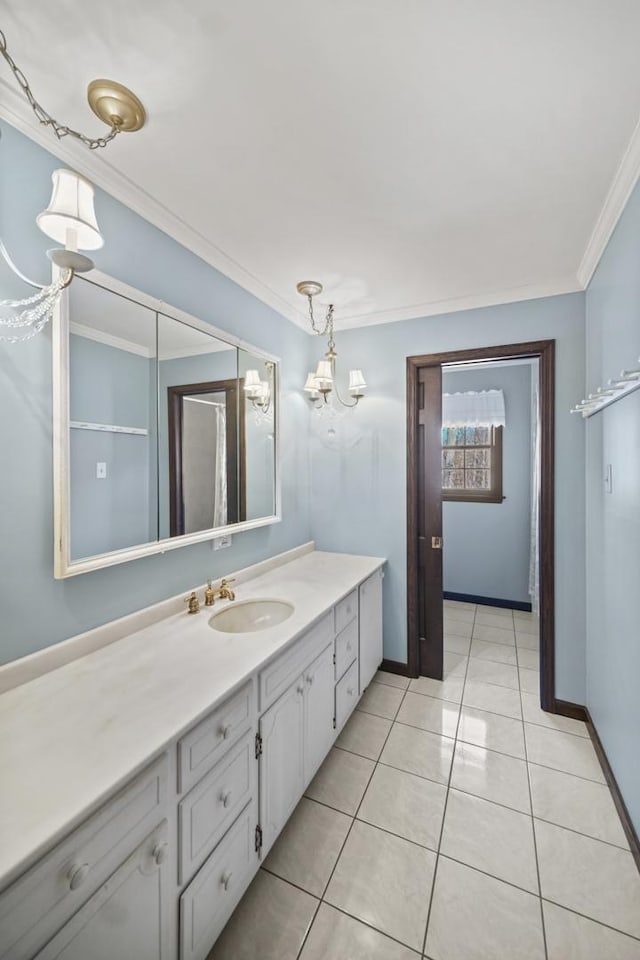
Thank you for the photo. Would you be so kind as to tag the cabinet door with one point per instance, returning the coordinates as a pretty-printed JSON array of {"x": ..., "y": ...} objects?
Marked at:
[
  {"x": 282, "y": 761},
  {"x": 370, "y": 628},
  {"x": 318, "y": 711},
  {"x": 126, "y": 917}
]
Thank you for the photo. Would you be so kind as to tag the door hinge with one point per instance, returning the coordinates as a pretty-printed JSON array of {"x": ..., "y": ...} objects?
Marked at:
[
  {"x": 334, "y": 723},
  {"x": 258, "y": 838},
  {"x": 334, "y": 659},
  {"x": 258, "y": 745}
]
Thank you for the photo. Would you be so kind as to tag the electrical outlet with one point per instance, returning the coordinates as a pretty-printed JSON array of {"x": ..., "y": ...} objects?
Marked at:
[
  {"x": 221, "y": 542},
  {"x": 608, "y": 479},
  {"x": 101, "y": 471}
]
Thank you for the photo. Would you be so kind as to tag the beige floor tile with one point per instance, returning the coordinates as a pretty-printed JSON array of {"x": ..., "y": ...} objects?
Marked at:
[
  {"x": 364, "y": 734},
  {"x": 384, "y": 881},
  {"x": 306, "y": 851},
  {"x": 462, "y": 613},
  {"x": 492, "y": 731},
  {"x": 501, "y": 674},
  {"x": 405, "y": 804},
  {"x": 381, "y": 700},
  {"x": 270, "y": 922},
  {"x": 453, "y": 644},
  {"x": 529, "y": 659},
  {"x": 476, "y": 917},
  {"x": 458, "y": 605},
  {"x": 335, "y": 936},
  {"x": 562, "y": 751},
  {"x": 486, "y": 619},
  {"x": 533, "y": 713},
  {"x": 529, "y": 625},
  {"x": 504, "y": 612},
  {"x": 492, "y": 776},
  {"x": 491, "y": 697},
  {"x": 392, "y": 679},
  {"x": 590, "y": 877},
  {"x": 341, "y": 781},
  {"x": 530, "y": 682},
  {"x": 570, "y": 937},
  {"x": 420, "y": 752},
  {"x": 454, "y": 665},
  {"x": 497, "y": 652},
  {"x": 459, "y": 628},
  {"x": 577, "y": 804},
  {"x": 429, "y": 713},
  {"x": 494, "y": 634},
  {"x": 491, "y": 838},
  {"x": 527, "y": 641},
  {"x": 443, "y": 689}
]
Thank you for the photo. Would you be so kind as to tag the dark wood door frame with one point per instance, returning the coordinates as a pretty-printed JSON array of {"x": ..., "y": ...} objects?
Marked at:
[{"x": 544, "y": 351}]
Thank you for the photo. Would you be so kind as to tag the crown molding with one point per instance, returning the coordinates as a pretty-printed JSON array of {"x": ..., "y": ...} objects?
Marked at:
[
  {"x": 624, "y": 180},
  {"x": 109, "y": 339},
  {"x": 16, "y": 111}
]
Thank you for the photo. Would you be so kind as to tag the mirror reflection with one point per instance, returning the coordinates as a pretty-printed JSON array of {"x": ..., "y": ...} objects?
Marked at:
[{"x": 257, "y": 379}]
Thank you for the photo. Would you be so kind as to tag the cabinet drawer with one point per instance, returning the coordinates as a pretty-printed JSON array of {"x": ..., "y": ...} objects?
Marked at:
[
  {"x": 346, "y": 648},
  {"x": 275, "y": 679},
  {"x": 346, "y": 695},
  {"x": 212, "y": 805},
  {"x": 42, "y": 900},
  {"x": 346, "y": 610},
  {"x": 212, "y": 895},
  {"x": 203, "y": 746}
]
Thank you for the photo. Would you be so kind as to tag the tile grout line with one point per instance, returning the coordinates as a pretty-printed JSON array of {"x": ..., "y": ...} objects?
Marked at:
[{"x": 446, "y": 802}]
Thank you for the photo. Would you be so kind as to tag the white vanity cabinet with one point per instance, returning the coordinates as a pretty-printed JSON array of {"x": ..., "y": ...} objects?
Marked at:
[{"x": 370, "y": 617}]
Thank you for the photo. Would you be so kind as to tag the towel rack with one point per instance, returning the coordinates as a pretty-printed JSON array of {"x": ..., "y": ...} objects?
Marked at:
[{"x": 616, "y": 389}]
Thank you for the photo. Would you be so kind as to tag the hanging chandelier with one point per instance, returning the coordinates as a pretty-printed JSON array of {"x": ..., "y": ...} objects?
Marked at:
[{"x": 320, "y": 385}]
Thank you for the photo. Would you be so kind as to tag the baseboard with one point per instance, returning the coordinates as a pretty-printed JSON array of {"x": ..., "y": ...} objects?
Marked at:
[
  {"x": 578, "y": 712},
  {"x": 486, "y": 601},
  {"x": 395, "y": 666}
]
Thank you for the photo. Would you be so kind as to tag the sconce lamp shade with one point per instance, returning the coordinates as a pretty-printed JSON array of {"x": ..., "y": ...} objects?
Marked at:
[
  {"x": 251, "y": 380},
  {"x": 324, "y": 375},
  {"x": 70, "y": 217},
  {"x": 310, "y": 384},
  {"x": 357, "y": 382}
]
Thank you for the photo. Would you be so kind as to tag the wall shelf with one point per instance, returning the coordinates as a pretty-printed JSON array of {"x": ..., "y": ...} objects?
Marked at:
[
  {"x": 617, "y": 388},
  {"x": 108, "y": 428}
]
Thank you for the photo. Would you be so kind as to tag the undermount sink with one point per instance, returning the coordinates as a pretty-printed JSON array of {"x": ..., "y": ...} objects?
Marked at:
[{"x": 248, "y": 616}]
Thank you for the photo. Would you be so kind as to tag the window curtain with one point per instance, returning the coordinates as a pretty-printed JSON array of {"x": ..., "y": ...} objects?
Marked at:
[
  {"x": 220, "y": 477},
  {"x": 534, "y": 555},
  {"x": 485, "y": 408}
]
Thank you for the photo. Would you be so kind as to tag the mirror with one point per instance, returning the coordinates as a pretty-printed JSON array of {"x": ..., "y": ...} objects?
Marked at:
[{"x": 165, "y": 431}]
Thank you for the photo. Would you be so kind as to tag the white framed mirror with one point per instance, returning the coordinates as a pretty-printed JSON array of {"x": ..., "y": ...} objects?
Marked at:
[{"x": 165, "y": 428}]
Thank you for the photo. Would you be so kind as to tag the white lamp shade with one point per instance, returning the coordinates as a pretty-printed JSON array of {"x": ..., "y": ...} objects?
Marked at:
[
  {"x": 310, "y": 383},
  {"x": 252, "y": 380},
  {"x": 71, "y": 209},
  {"x": 357, "y": 382},
  {"x": 324, "y": 375}
]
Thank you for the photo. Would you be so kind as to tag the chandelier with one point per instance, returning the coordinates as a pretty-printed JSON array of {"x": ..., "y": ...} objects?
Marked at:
[{"x": 323, "y": 382}]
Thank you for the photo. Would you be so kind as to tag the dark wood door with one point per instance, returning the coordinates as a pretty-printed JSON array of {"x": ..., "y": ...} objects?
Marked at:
[{"x": 429, "y": 521}]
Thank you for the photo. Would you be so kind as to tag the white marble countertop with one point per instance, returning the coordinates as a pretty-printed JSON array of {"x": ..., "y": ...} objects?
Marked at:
[{"x": 73, "y": 736}]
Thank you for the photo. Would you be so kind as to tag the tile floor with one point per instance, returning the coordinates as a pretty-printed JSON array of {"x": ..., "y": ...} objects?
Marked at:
[{"x": 453, "y": 820}]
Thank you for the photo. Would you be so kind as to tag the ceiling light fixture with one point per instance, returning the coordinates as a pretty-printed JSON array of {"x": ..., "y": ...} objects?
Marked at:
[
  {"x": 319, "y": 385},
  {"x": 114, "y": 104}
]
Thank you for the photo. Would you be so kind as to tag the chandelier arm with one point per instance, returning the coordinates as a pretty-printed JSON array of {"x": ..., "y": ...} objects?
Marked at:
[
  {"x": 6, "y": 256},
  {"x": 45, "y": 118},
  {"x": 344, "y": 402}
]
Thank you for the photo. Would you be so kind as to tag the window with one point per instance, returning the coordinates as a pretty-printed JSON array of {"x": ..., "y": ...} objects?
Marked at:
[{"x": 472, "y": 464}]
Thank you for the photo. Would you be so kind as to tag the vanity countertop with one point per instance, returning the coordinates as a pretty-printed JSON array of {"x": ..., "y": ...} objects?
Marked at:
[{"x": 71, "y": 737}]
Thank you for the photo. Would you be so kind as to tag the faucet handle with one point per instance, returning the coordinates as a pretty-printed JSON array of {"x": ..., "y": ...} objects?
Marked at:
[{"x": 226, "y": 580}]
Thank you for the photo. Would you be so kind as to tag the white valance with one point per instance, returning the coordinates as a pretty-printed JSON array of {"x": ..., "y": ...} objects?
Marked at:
[{"x": 484, "y": 408}]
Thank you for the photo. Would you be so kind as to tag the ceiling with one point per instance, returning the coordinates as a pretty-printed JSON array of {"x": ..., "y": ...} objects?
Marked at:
[{"x": 415, "y": 156}]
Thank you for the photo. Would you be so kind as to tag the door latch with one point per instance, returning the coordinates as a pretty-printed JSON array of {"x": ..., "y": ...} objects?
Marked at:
[{"x": 436, "y": 543}]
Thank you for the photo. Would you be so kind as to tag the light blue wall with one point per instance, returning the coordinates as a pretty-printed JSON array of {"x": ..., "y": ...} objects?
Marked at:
[
  {"x": 36, "y": 610},
  {"x": 486, "y": 545},
  {"x": 613, "y": 520},
  {"x": 358, "y": 476}
]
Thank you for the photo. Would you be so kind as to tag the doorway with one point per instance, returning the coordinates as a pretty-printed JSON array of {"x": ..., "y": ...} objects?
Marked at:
[{"x": 426, "y": 477}]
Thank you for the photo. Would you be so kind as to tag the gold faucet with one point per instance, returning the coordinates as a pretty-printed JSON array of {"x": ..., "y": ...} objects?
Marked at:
[
  {"x": 209, "y": 595},
  {"x": 194, "y": 603},
  {"x": 224, "y": 592}
]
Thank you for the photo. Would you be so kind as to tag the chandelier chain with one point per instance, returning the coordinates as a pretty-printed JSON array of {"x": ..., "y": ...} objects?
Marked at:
[
  {"x": 60, "y": 130},
  {"x": 328, "y": 319}
]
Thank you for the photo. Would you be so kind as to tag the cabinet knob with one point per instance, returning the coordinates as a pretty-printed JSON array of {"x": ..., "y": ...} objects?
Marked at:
[
  {"x": 160, "y": 853},
  {"x": 77, "y": 875},
  {"x": 225, "y": 880},
  {"x": 225, "y": 798},
  {"x": 300, "y": 690},
  {"x": 309, "y": 679},
  {"x": 350, "y": 691},
  {"x": 225, "y": 731}
]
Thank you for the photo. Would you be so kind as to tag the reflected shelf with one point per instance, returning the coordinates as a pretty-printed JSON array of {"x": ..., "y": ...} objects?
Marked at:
[{"x": 108, "y": 428}]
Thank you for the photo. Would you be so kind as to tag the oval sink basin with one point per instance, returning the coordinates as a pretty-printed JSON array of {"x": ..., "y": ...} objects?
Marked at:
[{"x": 247, "y": 616}]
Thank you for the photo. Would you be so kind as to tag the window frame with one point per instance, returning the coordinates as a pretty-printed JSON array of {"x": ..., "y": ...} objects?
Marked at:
[{"x": 494, "y": 493}]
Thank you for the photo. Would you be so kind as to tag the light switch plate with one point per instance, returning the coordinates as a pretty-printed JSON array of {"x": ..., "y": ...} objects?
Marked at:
[
  {"x": 101, "y": 471},
  {"x": 608, "y": 479}
]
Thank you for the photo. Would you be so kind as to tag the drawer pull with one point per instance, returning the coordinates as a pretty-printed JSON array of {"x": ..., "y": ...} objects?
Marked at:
[
  {"x": 226, "y": 880},
  {"x": 225, "y": 731},
  {"x": 160, "y": 853},
  {"x": 309, "y": 679},
  {"x": 225, "y": 798},
  {"x": 77, "y": 875}
]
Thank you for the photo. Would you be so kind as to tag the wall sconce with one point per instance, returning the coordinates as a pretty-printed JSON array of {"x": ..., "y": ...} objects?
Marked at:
[
  {"x": 259, "y": 391},
  {"x": 70, "y": 219},
  {"x": 322, "y": 383}
]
